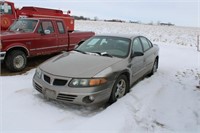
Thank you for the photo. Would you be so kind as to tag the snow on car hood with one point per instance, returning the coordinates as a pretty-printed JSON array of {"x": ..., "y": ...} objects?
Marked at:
[{"x": 75, "y": 64}]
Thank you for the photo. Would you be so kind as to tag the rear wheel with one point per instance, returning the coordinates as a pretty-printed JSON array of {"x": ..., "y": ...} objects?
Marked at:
[
  {"x": 16, "y": 60},
  {"x": 119, "y": 89}
]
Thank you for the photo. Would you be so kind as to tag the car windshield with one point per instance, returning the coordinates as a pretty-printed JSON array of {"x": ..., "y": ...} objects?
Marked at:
[
  {"x": 106, "y": 46},
  {"x": 23, "y": 25}
]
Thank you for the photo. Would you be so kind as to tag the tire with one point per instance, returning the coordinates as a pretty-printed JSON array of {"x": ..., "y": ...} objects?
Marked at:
[
  {"x": 155, "y": 67},
  {"x": 120, "y": 88},
  {"x": 16, "y": 60}
]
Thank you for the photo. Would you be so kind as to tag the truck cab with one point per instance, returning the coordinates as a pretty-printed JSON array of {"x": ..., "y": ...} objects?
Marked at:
[{"x": 29, "y": 37}]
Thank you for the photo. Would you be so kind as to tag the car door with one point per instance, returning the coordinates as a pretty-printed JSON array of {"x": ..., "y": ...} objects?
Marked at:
[
  {"x": 45, "y": 43},
  {"x": 148, "y": 54},
  {"x": 137, "y": 62}
]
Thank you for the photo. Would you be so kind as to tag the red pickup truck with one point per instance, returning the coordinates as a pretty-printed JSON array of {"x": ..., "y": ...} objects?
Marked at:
[{"x": 29, "y": 37}]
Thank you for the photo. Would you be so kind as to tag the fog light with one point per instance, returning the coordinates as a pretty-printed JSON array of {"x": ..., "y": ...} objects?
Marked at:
[
  {"x": 91, "y": 98},
  {"x": 88, "y": 99}
]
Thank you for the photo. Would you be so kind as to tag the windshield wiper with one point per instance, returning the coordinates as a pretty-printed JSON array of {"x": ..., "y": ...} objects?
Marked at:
[
  {"x": 99, "y": 53},
  {"x": 103, "y": 54},
  {"x": 79, "y": 51},
  {"x": 106, "y": 54},
  {"x": 21, "y": 30}
]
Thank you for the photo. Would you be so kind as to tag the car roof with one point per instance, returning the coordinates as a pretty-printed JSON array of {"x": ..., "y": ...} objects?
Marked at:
[{"x": 129, "y": 36}]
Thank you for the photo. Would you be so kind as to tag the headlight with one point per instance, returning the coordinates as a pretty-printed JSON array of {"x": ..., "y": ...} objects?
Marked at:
[
  {"x": 38, "y": 72},
  {"x": 87, "y": 82}
]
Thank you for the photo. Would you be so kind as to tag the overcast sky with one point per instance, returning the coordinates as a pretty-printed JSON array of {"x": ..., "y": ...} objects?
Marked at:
[{"x": 178, "y": 12}]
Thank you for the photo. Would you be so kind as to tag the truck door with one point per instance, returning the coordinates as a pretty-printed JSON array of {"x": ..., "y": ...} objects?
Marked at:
[
  {"x": 62, "y": 36},
  {"x": 47, "y": 42}
]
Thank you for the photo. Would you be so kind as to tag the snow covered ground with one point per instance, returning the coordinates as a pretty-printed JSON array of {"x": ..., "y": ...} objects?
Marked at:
[
  {"x": 165, "y": 34},
  {"x": 168, "y": 101}
]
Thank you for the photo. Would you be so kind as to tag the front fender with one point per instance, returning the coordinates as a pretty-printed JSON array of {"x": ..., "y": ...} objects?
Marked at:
[
  {"x": 17, "y": 45},
  {"x": 112, "y": 74}
]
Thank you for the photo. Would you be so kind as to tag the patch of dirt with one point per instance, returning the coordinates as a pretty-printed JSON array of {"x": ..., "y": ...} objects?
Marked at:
[
  {"x": 159, "y": 124},
  {"x": 32, "y": 62}
]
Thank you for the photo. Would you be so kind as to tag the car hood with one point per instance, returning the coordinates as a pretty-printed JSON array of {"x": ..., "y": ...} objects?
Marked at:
[
  {"x": 77, "y": 65},
  {"x": 14, "y": 35}
]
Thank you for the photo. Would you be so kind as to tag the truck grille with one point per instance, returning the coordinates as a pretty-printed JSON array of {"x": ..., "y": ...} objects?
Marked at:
[
  {"x": 38, "y": 87},
  {"x": 66, "y": 97},
  {"x": 59, "y": 82},
  {"x": 47, "y": 78}
]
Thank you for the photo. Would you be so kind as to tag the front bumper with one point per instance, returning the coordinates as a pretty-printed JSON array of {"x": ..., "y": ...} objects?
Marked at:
[
  {"x": 2, "y": 55},
  {"x": 81, "y": 96}
]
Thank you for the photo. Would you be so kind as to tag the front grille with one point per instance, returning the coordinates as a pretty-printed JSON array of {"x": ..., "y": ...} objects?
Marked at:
[
  {"x": 2, "y": 55},
  {"x": 59, "y": 82},
  {"x": 47, "y": 78},
  {"x": 66, "y": 97},
  {"x": 38, "y": 87}
]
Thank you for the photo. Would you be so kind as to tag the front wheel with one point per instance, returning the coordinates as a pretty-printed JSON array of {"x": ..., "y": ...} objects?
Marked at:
[
  {"x": 119, "y": 89},
  {"x": 16, "y": 60},
  {"x": 155, "y": 67}
]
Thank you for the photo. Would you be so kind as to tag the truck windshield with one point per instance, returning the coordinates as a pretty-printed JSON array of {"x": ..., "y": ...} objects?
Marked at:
[
  {"x": 23, "y": 25},
  {"x": 2, "y": 10}
]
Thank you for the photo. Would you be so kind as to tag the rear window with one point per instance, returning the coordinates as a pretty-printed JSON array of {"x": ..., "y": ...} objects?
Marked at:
[
  {"x": 2, "y": 10},
  {"x": 61, "y": 28}
]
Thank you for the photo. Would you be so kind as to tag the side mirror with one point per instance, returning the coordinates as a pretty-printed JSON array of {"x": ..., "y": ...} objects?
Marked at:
[
  {"x": 135, "y": 54},
  {"x": 76, "y": 46},
  {"x": 5, "y": 7},
  {"x": 47, "y": 32}
]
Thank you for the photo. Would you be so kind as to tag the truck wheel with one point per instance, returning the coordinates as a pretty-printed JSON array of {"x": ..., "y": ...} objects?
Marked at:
[
  {"x": 16, "y": 60},
  {"x": 119, "y": 89}
]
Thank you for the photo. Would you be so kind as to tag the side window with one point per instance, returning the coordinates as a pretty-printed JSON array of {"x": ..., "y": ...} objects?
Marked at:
[
  {"x": 145, "y": 43},
  {"x": 61, "y": 28},
  {"x": 9, "y": 10},
  {"x": 2, "y": 9},
  {"x": 46, "y": 25},
  {"x": 137, "y": 46},
  {"x": 151, "y": 45}
]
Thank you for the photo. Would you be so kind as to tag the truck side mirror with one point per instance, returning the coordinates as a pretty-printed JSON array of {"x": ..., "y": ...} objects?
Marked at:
[
  {"x": 5, "y": 7},
  {"x": 47, "y": 32}
]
